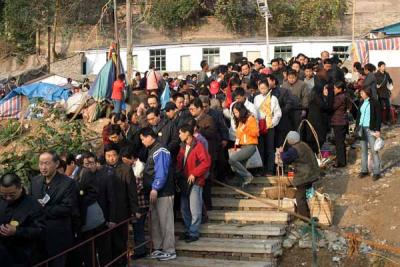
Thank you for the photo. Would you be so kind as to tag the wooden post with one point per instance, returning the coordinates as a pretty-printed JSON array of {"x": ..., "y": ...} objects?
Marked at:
[
  {"x": 38, "y": 41},
  {"x": 48, "y": 48},
  {"x": 116, "y": 36},
  {"x": 353, "y": 42},
  {"x": 56, "y": 15},
  {"x": 129, "y": 48}
]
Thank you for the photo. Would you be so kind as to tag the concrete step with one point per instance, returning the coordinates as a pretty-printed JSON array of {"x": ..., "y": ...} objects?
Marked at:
[
  {"x": 203, "y": 262},
  {"x": 248, "y": 216},
  {"x": 222, "y": 230},
  {"x": 250, "y": 204},
  {"x": 257, "y": 191},
  {"x": 243, "y": 249}
]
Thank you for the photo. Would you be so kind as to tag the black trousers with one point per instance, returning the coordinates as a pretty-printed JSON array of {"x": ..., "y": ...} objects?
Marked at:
[
  {"x": 266, "y": 147},
  {"x": 340, "y": 138},
  {"x": 385, "y": 107},
  {"x": 102, "y": 247},
  {"x": 119, "y": 243},
  {"x": 301, "y": 200}
]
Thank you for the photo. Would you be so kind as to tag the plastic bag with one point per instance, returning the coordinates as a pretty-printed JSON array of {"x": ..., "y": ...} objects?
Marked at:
[{"x": 379, "y": 144}]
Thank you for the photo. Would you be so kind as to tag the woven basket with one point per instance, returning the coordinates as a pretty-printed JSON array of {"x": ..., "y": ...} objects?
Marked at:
[
  {"x": 321, "y": 207},
  {"x": 286, "y": 192}
]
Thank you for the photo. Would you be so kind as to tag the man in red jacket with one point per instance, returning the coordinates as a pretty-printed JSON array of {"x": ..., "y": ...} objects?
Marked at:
[{"x": 193, "y": 163}]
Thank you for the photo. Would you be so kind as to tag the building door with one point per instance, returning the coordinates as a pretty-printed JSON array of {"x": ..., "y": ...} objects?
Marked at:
[
  {"x": 185, "y": 63},
  {"x": 236, "y": 57}
]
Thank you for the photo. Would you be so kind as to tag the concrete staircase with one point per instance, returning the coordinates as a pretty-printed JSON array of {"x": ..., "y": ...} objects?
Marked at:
[{"x": 240, "y": 231}]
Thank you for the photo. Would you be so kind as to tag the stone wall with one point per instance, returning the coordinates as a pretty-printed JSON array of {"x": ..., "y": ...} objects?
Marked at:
[
  {"x": 370, "y": 15},
  {"x": 69, "y": 67}
]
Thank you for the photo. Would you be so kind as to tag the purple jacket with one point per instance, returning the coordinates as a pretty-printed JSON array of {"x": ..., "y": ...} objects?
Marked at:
[{"x": 339, "y": 110}]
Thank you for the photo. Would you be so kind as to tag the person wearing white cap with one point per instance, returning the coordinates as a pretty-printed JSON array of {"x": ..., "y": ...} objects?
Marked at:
[{"x": 306, "y": 168}]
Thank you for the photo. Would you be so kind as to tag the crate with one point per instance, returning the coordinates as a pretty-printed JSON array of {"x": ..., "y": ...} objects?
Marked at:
[{"x": 321, "y": 207}]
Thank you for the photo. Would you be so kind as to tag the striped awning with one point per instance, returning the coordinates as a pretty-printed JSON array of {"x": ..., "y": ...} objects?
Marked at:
[
  {"x": 11, "y": 108},
  {"x": 361, "y": 48}
]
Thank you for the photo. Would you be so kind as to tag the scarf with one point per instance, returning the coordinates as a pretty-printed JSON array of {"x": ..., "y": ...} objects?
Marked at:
[{"x": 266, "y": 109}]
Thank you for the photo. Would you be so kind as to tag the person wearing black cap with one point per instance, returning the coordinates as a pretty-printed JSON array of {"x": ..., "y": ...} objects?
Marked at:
[{"x": 21, "y": 223}]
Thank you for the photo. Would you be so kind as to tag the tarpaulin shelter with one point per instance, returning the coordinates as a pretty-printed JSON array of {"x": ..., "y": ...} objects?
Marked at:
[
  {"x": 10, "y": 105},
  {"x": 102, "y": 86},
  {"x": 361, "y": 48}
]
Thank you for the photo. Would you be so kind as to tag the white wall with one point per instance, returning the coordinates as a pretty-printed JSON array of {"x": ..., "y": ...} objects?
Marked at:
[
  {"x": 97, "y": 58},
  {"x": 390, "y": 57}
]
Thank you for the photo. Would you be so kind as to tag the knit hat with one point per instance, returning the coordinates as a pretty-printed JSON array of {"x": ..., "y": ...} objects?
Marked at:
[{"x": 293, "y": 137}]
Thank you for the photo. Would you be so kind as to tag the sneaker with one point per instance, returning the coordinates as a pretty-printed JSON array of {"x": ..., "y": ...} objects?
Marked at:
[
  {"x": 191, "y": 239},
  {"x": 156, "y": 254},
  {"x": 362, "y": 175},
  {"x": 167, "y": 256}
]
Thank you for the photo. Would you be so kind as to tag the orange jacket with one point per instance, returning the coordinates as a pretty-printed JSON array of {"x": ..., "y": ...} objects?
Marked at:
[{"x": 247, "y": 134}]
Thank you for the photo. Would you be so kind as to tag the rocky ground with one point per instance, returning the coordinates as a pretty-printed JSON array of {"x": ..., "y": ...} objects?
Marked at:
[{"x": 370, "y": 209}]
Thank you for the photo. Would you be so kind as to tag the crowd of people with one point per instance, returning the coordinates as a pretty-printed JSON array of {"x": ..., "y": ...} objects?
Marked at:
[{"x": 160, "y": 158}]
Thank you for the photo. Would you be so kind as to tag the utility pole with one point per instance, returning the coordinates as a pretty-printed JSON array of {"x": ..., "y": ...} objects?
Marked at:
[
  {"x": 116, "y": 36},
  {"x": 264, "y": 11},
  {"x": 129, "y": 47},
  {"x": 353, "y": 41},
  {"x": 48, "y": 48}
]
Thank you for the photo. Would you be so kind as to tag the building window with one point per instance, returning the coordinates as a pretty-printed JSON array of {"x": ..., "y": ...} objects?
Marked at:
[
  {"x": 211, "y": 55},
  {"x": 341, "y": 51},
  {"x": 284, "y": 52},
  {"x": 135, "y": 62},
  {"x": 185, "y": 63},
  {"x": 253, "y": 55},
  {"x": 157, "y": 56}
]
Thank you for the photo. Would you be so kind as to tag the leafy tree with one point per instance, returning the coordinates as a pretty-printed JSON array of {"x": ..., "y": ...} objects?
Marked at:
[
  {"x": 240, "y": 16},
  {"x": 306, "y": 17},
  {"x": 172, "y": 15}
]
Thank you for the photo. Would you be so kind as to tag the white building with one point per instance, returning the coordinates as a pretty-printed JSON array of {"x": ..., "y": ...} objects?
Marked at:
[{"x": 175, "y": 57}]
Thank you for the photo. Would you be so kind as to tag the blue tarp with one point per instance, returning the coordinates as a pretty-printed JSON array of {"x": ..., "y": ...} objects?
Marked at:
[{"x": 48, "y": 92}]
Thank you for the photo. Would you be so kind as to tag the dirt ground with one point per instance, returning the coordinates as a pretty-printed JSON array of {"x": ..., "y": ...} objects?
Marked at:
[{"x": 371, "y": 207}]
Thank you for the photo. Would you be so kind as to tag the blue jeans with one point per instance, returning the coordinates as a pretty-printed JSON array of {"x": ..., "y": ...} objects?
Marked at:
[
  {"x": 238, "y": 160},
  {"x": 191, "y": 208},
  {"x": 117, "y": 106},
  {"x": 369, "y": 139},
  {"x": 138, "y": 232}
]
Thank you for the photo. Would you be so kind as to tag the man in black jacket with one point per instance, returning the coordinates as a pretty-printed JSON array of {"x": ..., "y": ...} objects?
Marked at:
[
  {"x": 165, "y": 129},
  {"x": 58, "y": 195},
  {"x": 183, "y": 115},
  {"x": 125, "y": 199},
  {"x": 21, "y": 223}
]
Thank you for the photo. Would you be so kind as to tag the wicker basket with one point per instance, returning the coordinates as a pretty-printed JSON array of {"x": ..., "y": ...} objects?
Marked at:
[
  {"x": 286, "y": 192},
  {"x": 321, "y": 207}
]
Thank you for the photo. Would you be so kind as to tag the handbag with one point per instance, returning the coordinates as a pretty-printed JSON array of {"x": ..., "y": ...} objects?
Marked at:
[
  {"x": 262, "y": 126},
  {"x": 255, "y": 161}
]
